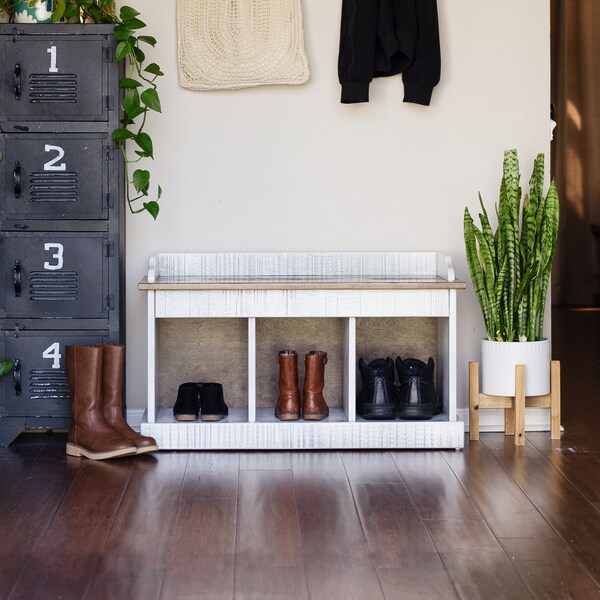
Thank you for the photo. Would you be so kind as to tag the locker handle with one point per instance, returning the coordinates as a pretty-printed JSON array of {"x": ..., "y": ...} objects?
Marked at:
[
  {"x": 17, "y": 81},
  {"x": 17, "y": 376},
  {"x": 17, "y": 179},
  {"x": 17, "y": 278}
]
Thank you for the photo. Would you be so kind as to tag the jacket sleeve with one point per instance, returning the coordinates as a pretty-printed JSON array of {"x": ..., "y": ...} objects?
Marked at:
[
  {"x": 423, "y": 74},
  {"x": 357, "y": 49}
]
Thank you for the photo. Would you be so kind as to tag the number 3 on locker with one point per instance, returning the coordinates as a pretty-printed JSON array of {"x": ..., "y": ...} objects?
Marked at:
[{"x": 58, "y": 255}]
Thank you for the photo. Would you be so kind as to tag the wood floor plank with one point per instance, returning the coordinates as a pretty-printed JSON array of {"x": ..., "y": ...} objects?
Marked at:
[
  {"x": 484, "y": 573},
  {"x": 433, "y": 487},
  {"x": 581, "y": 468},
  {"x": 61, "y": 561},
  {"x": 370, "y": 467},
  {"x": 268, "y": 556},
  {"x": 504, "y": 506},
  {"x": 27, "y": 508},
  {"x": 417, "y": 580},
  {"x": 141, "y": 533},
  {"x": 573, "y": 517},
  {"x": 201, "y": 557},
  {"x": 569, "y": 582},
  {"x": 408, "y": 564},
  {"x": 333, "y": 541},
  {"x": 212, "y": 475},
  {"x": 457, "y": 528},
  {"x": 549, "y": 569},
  {"x": 265, "y": 461}
]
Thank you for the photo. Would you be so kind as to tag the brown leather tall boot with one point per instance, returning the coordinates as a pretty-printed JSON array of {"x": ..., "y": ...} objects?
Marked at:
[
  {"x": 314, "y": 407},
  {"x": 90, "y": 435},
  {"x": 288, "y": 403},
  {"x": 113, "y": 366}
]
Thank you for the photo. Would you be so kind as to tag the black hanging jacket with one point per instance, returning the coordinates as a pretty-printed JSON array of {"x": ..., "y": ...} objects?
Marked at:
[{"x": 380, "y": 38}]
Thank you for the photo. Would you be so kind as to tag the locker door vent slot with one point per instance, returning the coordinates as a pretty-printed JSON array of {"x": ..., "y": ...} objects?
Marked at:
[
  {"x": 53, "y": 88},
  {"x": 53, "y": 187},
  {"x": 46, "y": 286},
  {"x": 48, "y": 384}
]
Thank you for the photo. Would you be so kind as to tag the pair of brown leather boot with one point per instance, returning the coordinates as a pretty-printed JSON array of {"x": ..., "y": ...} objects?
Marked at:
[
  {"x": 314, "y": 407},
  {"x": 98, "y": 429}
]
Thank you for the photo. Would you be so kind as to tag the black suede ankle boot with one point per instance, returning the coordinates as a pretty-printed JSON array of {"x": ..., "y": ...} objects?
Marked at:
[
  {"x": 187, "y": 405},
  {"x": 378, "y": 397},
  {"x": 418, "y": 398},
  {"x": 212, "y": 403}
]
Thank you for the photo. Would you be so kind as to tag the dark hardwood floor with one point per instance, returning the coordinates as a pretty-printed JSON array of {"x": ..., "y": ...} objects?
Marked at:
[{"x": 492, "y": 521}]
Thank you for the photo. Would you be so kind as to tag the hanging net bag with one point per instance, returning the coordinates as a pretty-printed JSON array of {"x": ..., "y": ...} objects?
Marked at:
[{"x": 229, "y": 44}]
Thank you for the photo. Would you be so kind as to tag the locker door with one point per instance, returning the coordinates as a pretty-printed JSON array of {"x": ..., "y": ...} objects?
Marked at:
[
  {"x": 38, "y": 385},
  {"x": 49, "y": 78},
  {"x": 55, "y": 274},
  {"x": 54, "y": 176}
]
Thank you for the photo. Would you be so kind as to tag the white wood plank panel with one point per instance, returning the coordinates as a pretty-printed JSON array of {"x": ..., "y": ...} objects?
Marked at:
[
  {"x": 349, "y": 399},
  {"x": 252, "y": 369},
  {"x": 303, "y": 435},
  {"x": 151, "y": 358},
  {"x": 380, "y": 264},
  {"x": 301, "y": 303}
]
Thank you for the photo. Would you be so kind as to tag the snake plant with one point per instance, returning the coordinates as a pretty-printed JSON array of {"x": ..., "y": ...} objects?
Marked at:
[{"x": 510, "y": 268}]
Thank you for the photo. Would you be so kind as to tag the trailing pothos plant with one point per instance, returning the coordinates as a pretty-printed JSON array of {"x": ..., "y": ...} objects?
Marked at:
[
  {"x": 140, "y": 95},
  {"x": 6, "y": 366},
  {"x": 140, "y": 90},
  {"x": 510, "y": 268}
]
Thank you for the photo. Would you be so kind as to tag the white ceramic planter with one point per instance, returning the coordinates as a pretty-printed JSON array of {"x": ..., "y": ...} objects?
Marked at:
[{"x": 498, "y": 362}]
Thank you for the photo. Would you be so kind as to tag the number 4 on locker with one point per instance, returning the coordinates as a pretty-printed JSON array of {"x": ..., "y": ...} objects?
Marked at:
[{"x": 53, "y": 352}]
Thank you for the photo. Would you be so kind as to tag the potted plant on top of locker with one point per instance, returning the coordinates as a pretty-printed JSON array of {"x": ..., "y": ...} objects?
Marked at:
[
  {"x": 510, "y": 270},
  {"x": 140, "y": 95}
]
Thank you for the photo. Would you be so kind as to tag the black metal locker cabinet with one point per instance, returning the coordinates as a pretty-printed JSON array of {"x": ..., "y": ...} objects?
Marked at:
[{"x": 61, "y": 212}]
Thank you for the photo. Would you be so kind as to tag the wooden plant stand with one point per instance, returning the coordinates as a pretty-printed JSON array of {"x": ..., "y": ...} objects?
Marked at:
[{"x": 514, "y": 406}]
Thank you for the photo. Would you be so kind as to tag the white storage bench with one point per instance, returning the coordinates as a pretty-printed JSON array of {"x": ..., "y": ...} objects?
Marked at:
[{"x": 347, "y": 286}]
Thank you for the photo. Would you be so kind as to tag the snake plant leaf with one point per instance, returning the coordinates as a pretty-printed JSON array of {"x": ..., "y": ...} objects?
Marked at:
[
  {"x": 549, "y": 236},
  {"x": 486, "y": 229},
  {"x": 475, "y": 268}
]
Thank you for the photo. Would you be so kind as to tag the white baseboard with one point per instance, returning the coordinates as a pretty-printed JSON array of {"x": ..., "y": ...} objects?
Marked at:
[
  {"x": 492, "y": 419},
  {"x": 134, "y": 417}
]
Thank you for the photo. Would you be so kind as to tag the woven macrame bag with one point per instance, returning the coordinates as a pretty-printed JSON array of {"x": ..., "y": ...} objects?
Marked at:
[{"x": 229, "y": 44}]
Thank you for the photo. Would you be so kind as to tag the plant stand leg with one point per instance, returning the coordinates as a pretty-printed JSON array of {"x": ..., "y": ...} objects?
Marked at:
[
  {"x": 555, "y": 400},
  {"x": 473, "y": 401},
  {"x": 509, "y": 420},
  {"x": 519, "y": 405}
]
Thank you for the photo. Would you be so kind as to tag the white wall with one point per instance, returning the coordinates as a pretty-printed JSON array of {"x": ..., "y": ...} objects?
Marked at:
[{"x": 290, "y": 168}]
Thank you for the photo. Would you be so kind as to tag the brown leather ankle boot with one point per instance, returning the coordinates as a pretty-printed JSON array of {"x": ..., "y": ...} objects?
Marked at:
[
  {"x": 113, "y": 366},
  {"x": 288, "y": 403},
  {"x": 90, "y": 435},
  {"x": 314, "y": 407}
]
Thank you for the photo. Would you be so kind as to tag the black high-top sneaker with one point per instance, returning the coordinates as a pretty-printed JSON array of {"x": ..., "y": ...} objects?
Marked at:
[
  {"x": 187, "y": 405},
  {"x": 212, "y": 403},
  {"x": 378, "y": 397},
  {"x": 418, "y": 398}
]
